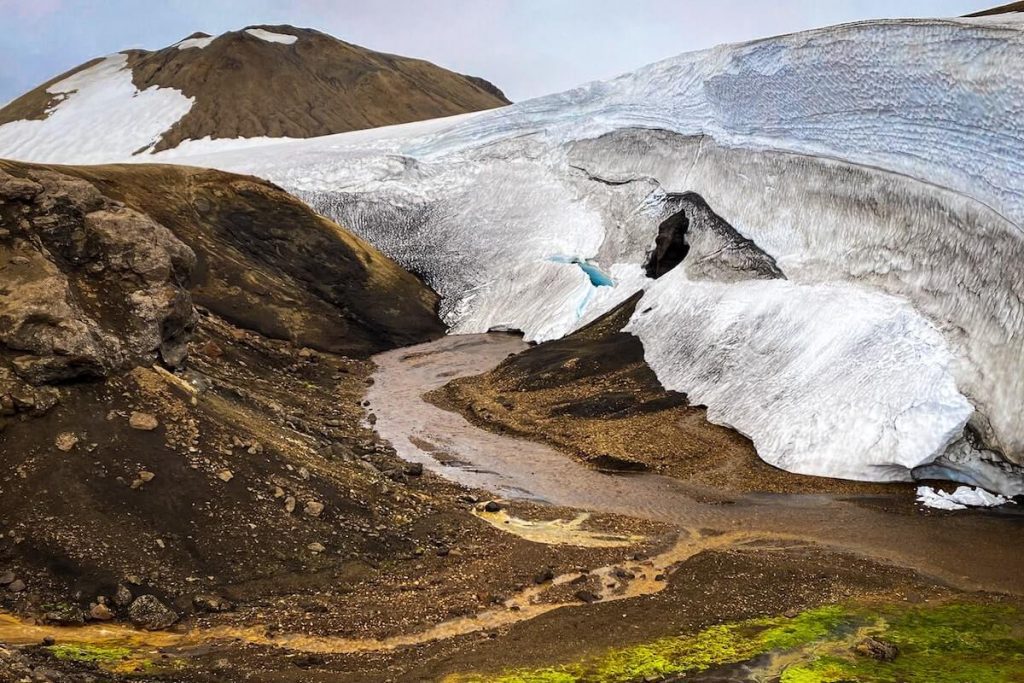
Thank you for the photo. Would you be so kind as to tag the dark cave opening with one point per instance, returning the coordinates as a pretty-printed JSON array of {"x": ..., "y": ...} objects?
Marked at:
[{"x": 670, "y": 247}]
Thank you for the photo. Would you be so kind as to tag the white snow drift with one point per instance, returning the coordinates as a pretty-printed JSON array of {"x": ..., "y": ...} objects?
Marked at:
[
  {"x": 99, "y": 117},
  {"x": 271, "y": 37},
  {"x": 878, "y": 166}
]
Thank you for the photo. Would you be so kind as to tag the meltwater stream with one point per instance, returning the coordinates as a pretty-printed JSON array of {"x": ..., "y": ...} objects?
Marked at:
[{"x": 974, "y": 551}]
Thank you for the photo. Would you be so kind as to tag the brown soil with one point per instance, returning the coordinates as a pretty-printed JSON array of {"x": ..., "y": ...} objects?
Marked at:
[
  {"x": 244, "y": 86},
  {"x": 592, "y": 395}
]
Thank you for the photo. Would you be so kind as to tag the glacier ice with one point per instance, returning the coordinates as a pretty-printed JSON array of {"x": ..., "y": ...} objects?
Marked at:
[
  {"x": 852, "y": 298},
  {"x": 960, "y": 499}
]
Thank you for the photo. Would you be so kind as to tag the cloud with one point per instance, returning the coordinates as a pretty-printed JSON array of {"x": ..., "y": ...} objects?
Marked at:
[{"x": 30, "y": 10}]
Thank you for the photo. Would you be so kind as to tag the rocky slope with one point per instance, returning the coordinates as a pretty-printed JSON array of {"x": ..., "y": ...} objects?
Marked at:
[
  {"x": 262, "y": 81},
  {"x": 167, "y": 426}
]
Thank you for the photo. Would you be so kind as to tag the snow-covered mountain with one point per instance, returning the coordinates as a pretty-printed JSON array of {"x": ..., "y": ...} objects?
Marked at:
[
  {"x": 261, "y": 82},
  {"x": 826, "y": 226}
]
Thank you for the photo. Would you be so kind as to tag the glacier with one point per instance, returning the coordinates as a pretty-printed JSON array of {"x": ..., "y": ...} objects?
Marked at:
[{"x": 850, "y": 200}]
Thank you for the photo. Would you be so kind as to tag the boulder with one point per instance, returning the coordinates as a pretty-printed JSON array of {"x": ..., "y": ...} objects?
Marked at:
[
  {"x": 876, "y": 648},
  {"x": 97, "y": 287},
  {"x": 100, "y": 612},
  {"x": 147, "y": 612},
  {"x": 143, "y": 421},
  {"x": 209, "y": 602},
  {"x": 65, "y": 441},
  {"x": 65, "y": 615},
  {"x": 17, "y": 189}
]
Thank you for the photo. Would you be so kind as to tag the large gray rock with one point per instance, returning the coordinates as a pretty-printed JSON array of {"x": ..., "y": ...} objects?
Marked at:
[
  {"x": 147, "y": 612},
  {"x": 90, "y": 285}
]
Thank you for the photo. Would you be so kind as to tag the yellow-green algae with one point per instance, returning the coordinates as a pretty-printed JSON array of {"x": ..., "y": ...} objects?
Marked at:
[
  {"x": 112, "y": 658},
  {"x": 90, "y": 654},
  {"x": 938, "y": 644}
]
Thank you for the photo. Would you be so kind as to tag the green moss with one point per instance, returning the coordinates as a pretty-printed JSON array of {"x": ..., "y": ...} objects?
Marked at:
[
  {"x": 90, "y": 654},
  {"x": 942, "y": 644},
  {"x": 938, "y": 644}
]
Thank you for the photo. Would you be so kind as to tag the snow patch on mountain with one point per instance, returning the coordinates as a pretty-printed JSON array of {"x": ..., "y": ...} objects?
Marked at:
[
  {"x": 100, "y": 117},
  {"x": 199, "y": 42},
  {"x": 271, "y": 37}
]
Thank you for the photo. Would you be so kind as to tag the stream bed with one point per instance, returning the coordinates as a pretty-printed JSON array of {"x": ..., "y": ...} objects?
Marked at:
[{"x": 976, "y": 550}]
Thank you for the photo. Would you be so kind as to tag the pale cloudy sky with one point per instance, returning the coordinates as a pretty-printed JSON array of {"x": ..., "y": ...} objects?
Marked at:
[{"x": 526, "y": 47}]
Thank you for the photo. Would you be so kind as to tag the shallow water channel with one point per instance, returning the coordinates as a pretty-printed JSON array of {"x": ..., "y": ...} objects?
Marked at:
[{"x": 975, "y": 550}]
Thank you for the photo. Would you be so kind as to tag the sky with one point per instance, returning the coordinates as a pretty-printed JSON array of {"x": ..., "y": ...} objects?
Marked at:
[{"x": 526, "y": 47}]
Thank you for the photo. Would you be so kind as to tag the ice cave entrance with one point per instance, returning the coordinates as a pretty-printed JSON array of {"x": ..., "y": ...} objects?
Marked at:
[
  {"x": 670, "y": 247},
  {"x": 598, "y": 278}
]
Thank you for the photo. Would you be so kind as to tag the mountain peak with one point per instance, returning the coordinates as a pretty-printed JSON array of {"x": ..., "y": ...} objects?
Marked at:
[{"x": 259, "y": 81}]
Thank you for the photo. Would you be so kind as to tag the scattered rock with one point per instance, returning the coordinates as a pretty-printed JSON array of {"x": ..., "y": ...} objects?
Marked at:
[
  {"x": 586, "y": 596},
  {"x": 225, "y": 475},
  {"x": 16, "y": 586},
  {"x": 876, "y": 648},
  {"x": 414, "y": 469},
  {"x": 123, "y": 596},
  {"x": 623, "y": 574},
  {"x": 316, "y": 547},
  {"x": 143, "y": 421},
  {"x": 7, "y": 578},
  {"x": 146, "y": 476},
  {"x": 212, "y": 603},
  {"x": 65, "y": 615},
  {"x": 147, "y": 612},
  {"x": 313, "y": 508},
  {"x": 65, "y": 441},
  {"x": 100, "y": 612},
  {"x": 492, "y": 506},
  {"x": 544, "y": 576}
]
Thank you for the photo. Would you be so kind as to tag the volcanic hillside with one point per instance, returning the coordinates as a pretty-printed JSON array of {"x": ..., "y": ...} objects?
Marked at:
[{"x": 268, "y": 81}]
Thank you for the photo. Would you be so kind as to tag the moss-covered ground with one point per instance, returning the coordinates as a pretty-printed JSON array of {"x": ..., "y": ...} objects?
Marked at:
[{"x": 949, "y": 643}]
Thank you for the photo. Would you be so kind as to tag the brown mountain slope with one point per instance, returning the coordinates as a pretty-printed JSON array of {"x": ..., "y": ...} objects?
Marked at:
[
  {"x": 247, "y": 86},
  {"x": 268, "y": 263},
  {"x": 1001, "y": 9}
]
